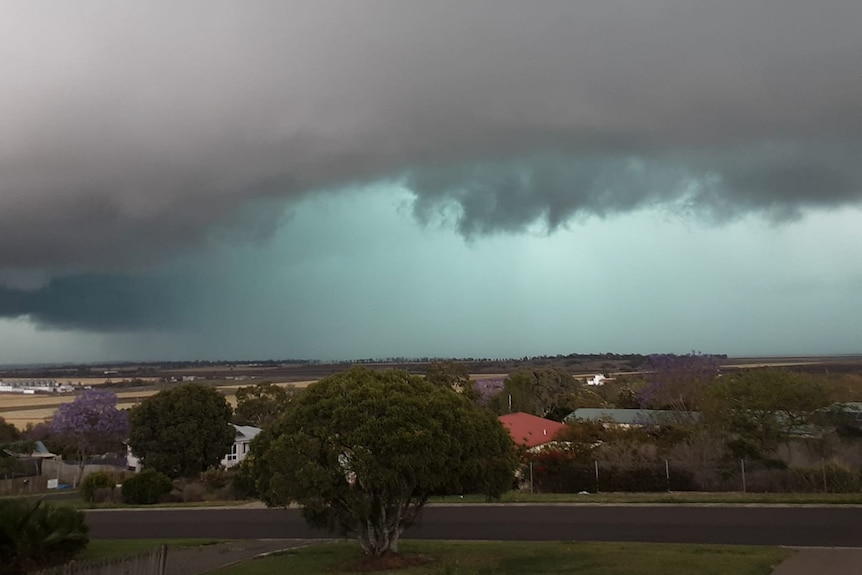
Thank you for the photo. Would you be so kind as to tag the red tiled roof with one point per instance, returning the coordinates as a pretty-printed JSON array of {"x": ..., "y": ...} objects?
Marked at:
[{"x": 530, "y": 430}]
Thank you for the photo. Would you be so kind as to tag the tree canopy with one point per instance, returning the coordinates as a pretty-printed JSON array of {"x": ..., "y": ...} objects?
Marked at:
[
  {"x": 764, "y": 407},
  {"x": 261, "y": 404},
  {"x": 363, "y": 450},
  {"x": 450, "y": 374},
  {"x": 538, "y": 391},
  {"x": 678, "y": 382},
  {"x": 182, "y": 431},
  {"x": 8, "y": 432},
  {"x": 91, "y": 424}
]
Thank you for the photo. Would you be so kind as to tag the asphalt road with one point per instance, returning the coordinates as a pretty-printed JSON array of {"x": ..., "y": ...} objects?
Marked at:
[{"x": 796, "y": 526}]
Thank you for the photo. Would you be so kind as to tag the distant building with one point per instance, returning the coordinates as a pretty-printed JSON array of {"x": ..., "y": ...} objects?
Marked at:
[
  {"x": 33, "y": 386},
  {"x": 597, "y": 380}
]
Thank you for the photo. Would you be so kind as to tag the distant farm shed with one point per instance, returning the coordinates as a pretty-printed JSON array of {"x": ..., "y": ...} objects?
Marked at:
[{"x": 529, "y": 430}]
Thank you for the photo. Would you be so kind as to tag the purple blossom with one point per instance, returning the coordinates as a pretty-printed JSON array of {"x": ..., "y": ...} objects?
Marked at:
[
  {"x": 487, "y": 388},
  {"x": 92, "y": 423},
  {"x": 677, "y": 381}
]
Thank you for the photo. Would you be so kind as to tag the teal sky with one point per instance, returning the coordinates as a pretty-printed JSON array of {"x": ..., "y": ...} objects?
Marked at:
[
  {"x": 338, "y": 179},
  {"x": 352, "y": 275}
]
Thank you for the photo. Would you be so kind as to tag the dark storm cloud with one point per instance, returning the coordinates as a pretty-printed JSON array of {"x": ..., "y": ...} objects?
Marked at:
[
  {"x": 134, "y": 132},
  {"x": 106, "y": 303}
]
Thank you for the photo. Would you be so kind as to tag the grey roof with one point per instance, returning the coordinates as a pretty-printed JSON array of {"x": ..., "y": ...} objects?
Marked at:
[
  {"x": 246, "y": 432},
  {"x": 632, "y": 416}
]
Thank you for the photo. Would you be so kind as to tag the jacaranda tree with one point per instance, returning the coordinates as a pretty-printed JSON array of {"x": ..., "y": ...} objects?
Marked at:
[
  {"x": 91, "y": 424},
  {"x": 363, "y": 450}
]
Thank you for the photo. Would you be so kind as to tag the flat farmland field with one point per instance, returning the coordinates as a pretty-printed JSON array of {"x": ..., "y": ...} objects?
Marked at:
[
  {"x": 19, "y": 409},
  {"x": 91, "y": 381}
]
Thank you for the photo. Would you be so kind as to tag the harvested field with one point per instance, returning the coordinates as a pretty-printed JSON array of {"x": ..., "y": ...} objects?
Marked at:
[{"x": 20, "y": 410}]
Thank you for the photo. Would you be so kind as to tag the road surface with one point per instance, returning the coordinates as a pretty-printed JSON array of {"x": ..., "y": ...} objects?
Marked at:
[{"x": 795, "y": 526}]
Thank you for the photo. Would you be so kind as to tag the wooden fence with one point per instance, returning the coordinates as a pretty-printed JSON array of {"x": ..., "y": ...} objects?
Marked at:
[
  {"x": 144, "y": 563},
  {"x": 23, "y": 485}
]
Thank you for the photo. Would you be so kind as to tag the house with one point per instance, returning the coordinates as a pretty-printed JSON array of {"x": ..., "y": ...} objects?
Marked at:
[
  {"x": 238, "y": 451},
  {"x": 529, "y": 430},
  {"x": 28, "y": 457},
  {"x": 241, "y": 445},
  {"x": 632, "y": 417},
  {"x": 597, "y": 380}
]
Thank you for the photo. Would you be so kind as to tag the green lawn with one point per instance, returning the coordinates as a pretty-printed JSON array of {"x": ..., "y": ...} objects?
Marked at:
[
  {"x": 109, "y": 548},
  {"x": 681, "y": 497},
  {"x": 535, "y": 558}
]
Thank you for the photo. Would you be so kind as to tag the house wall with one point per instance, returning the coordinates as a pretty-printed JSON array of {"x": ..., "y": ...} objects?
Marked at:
[{"x": 238, "y": 451}]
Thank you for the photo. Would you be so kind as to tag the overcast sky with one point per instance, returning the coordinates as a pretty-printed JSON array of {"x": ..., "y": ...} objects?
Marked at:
[{"x": 342, "y": 179}]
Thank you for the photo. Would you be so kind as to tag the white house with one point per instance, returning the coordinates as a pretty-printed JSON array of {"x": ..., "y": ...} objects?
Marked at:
[
  {"x": 597, "y": 380},
  {"x": 238, "y": 451},
  {"x": 241, "y": 445}
]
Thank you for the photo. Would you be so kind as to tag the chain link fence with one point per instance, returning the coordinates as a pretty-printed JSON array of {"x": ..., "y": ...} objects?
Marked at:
[{"x": 553, "y": 474}]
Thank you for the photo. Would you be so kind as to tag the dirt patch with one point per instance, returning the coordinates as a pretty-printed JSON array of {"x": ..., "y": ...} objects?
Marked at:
[{"x": 383, "y": 563}]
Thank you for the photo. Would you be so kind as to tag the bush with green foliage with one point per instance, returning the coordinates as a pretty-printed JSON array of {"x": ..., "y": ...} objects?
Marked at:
[
  {"x": 244, "y": 485},
  {"x": 215, "y": 479},
  {"x": 363, "y": 450},
  {"x": 182, "y": 431},
  {"x": 831, "y": 478},
  {"x": 34, "y": 535},
  {"x": 146, "y": 488},
  {"x": 92, "y": 483},
  {"x": 564, "y": 472}
]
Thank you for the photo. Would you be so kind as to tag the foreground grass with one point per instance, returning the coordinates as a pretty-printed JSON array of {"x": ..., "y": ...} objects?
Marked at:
[
  {"x": 518, "y": 558},
  {"x": 110, "y": 548},
  {"x": 675, "y": 498}
]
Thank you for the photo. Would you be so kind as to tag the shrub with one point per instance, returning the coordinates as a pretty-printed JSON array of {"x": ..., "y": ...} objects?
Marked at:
[
  {"x": 562, "y": 472},
  {"x": 146, "y": 488},
  {"x": 107, "y": 495},
  {"x": 244, "y": 485},
  {"x": 193, "y": 492},
  {"x": 215, "y": 479},
  {"x": 35, "y": 535},
  {"x": 95, "y": 481}
]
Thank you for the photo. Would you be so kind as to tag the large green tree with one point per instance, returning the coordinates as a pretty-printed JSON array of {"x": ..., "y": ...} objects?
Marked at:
[
  {"x": 182, "y": 431},
  {"x": 363, "y": 450},
  {"x": 451, "y": 374},
  {"x": 538, "y": 391},
  {"x": 261, "y": 404},
  {"x": 8, "y": 432},
  {"x": 762, "y": 408}
]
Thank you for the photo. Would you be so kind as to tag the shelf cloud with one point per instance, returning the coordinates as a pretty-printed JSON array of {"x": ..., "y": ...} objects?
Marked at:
[{"x": 137, "y": 133}]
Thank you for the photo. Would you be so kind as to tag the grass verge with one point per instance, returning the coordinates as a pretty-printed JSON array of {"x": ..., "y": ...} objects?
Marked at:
[
  {"x": 110, "y": 548},
  {"x": 681, "y": 497},
  {"x": 538, "y": 558}
]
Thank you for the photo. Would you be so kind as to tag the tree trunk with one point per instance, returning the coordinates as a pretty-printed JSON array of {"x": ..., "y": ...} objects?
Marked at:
[{"x": 380, "y": 536}]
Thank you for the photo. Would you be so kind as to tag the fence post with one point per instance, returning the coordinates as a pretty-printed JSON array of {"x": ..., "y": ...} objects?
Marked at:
[
  {"x": 825, "y": 485},
  {"x": 742, "y": 463},
  {"x": 597, "y": 475},
  {"x": 667, "y": 474},
  {"x": 531, "y": 477},
  {"x": 163, "y": 558}
]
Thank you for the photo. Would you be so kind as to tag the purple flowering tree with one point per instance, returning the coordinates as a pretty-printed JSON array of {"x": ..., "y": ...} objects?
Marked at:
[
  {"x": 678, "y": 382},
  {"x": 485, "y": 389},
  {"x": 91, "y": 424}
]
